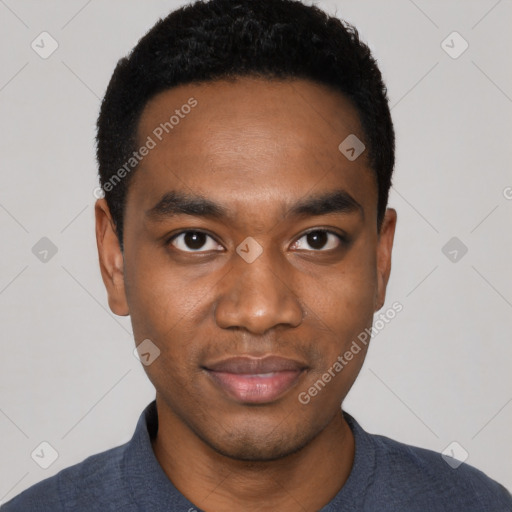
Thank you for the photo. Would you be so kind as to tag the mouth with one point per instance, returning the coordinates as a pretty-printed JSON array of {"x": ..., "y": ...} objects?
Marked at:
[{"x": 256, "y": 380}]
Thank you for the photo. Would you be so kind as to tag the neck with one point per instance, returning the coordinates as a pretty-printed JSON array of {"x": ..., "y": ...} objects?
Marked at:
[{"x": 307, "y": 479}]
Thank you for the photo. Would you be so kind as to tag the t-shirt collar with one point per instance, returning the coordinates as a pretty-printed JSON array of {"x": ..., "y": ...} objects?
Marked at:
[{"x": 151, "y": 489}]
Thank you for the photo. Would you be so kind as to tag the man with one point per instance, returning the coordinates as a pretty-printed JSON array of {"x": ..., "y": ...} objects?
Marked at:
[{"x": 246, "y": 149}]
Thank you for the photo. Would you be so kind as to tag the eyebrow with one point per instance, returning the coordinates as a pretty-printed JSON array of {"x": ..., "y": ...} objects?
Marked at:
[
  {"x": 178, "y": 203},
  {"x": 337, "y": 201}
]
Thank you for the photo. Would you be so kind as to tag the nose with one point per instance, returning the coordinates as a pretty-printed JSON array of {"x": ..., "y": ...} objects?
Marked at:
[{"x": 258, "y": 296}]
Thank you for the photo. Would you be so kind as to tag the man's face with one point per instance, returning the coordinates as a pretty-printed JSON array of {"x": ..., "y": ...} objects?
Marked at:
[{"x": 264, "y": 153}]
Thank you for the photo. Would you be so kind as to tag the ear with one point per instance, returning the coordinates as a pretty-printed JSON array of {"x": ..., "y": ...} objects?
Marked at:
[
  {"x": 111, "y": 259},
  {"x": 384, "y": 249}
]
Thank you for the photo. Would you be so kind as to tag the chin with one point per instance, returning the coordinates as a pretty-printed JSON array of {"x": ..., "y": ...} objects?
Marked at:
[{"x": 259, "y": 446}]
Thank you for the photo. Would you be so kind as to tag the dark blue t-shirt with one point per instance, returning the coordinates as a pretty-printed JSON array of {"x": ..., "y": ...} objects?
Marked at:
[{"x": 387, "y": 476}]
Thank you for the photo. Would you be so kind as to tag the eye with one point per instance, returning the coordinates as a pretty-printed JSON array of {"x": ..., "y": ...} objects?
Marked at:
[
  {"x": 319, "y": 240},
  {"x": 194, "y": 241}
]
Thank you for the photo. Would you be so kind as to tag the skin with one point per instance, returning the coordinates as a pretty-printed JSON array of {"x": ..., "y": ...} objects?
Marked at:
[{"x": 255, "y": 147}]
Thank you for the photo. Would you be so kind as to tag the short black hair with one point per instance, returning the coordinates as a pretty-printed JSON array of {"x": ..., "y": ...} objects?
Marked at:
[{"x": 226, "y": 39}]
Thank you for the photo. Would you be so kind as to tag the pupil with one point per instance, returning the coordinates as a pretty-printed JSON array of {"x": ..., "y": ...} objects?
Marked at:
[
  {"x": 317, "y": 239},
  {"x": 194, "y": 239}
]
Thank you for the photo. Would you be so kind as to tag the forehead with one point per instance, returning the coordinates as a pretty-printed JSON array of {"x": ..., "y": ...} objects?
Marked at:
[{"x": 249, "y": 140}]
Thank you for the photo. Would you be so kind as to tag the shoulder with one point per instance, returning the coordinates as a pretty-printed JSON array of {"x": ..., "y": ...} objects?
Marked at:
[
  {"x": 83, "y": 486},
  {"x": 425, "y": 476}
]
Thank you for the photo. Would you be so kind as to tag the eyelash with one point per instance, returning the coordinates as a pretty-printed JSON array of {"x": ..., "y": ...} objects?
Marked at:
[{"x": 344, "y": 241}]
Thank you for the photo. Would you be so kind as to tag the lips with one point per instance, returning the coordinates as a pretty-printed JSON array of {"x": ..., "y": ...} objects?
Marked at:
[
  {"x": 255, "y": 380},
  {"x": 253, "y": 365}
]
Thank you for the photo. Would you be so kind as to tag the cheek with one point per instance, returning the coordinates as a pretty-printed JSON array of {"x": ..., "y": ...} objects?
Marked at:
[
  {"x": 340, "y": 306},
  {"x": 163, "y": 309},
  {"x": 160, "y": 299},
  {"x": 171, "y": 308},
  {"x": 343, "y": 294}
]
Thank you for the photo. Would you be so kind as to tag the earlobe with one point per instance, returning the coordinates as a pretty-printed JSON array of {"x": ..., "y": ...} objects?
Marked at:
[
  {"x": 110, "y": 259},
  {"x": 384, "y": 250}
]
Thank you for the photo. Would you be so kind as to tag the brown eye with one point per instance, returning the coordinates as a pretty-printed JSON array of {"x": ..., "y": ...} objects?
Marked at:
[
  {"x": 194, "y": 241},
  {"x": 319, "y": 240}
]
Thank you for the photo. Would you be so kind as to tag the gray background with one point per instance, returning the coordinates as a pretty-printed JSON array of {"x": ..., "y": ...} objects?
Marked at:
[{"x": 438, "y": 373}]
